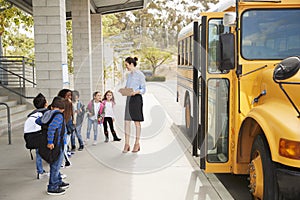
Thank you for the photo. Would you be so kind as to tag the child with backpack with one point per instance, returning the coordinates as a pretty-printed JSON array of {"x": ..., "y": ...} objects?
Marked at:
[
  {"x": 109, "y": 116},
  {"x": 51, "y": 149},
  {"x": 32, "y": 131}
]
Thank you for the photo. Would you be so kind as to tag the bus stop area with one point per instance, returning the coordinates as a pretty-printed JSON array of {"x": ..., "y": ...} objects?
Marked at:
[{"x": 163, "y": 169}]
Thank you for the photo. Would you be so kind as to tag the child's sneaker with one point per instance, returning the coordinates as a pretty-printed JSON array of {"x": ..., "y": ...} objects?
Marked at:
[
  {"x": 67, "y": 164},
  {"x": 73, "y": 149},
  {"x": 64, "y": 185},
  {"x": 42, "y": 175},
  {"x": 94, "y": 143},
  {"x": 80, "y": 148},
  {"x": 58, "y": 191},
  {"x": 63, "y": 176},
  {"x": 86, "y": 141}
]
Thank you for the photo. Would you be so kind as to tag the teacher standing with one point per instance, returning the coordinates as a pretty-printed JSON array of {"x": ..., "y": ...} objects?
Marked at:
[{"x": 134, "y": 103}]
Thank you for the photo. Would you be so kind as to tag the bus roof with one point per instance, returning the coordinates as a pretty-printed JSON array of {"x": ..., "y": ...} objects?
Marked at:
[
  {"x": 227, "y": 5},
  {"x": 222, "y": 6},
  {"x": 187, "y": 30}
]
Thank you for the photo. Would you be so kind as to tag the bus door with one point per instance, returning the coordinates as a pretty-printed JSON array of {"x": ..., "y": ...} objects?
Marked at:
[{"x": 216, "y": 87}]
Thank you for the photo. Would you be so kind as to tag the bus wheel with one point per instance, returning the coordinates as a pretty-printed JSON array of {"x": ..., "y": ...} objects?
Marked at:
[
  {"x": 187, "y": 113},
  {"x": 261, "y": 171}
]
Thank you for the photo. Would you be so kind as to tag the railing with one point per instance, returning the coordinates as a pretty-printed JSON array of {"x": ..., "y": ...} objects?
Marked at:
[
  {"x": 17, "y": 73},
  {"x": 8, "y": 122}
]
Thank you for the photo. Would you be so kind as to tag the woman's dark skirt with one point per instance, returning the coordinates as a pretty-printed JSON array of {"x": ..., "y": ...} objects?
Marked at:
[{"x": 134, "y": 108}]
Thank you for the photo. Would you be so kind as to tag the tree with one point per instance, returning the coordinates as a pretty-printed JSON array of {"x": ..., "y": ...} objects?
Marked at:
[
  {"x": 154, "y": 57},
  {"x": 111, "y": 25},
  {"x": 161, "y": 21},
  {"x": 155, "y": 27},
  {"x": 19, "y": 45},
  {"x": 12, "y": 20}
]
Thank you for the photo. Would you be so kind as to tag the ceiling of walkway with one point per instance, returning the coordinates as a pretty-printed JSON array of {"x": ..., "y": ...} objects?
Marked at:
[{"x": 97, "y": 6}]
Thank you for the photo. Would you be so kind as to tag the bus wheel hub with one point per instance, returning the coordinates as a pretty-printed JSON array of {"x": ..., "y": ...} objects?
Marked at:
[{"x": 256, "y": 177}]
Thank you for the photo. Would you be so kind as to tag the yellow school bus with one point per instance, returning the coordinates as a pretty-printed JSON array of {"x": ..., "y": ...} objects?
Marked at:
[{"x": 238, "y": 81}]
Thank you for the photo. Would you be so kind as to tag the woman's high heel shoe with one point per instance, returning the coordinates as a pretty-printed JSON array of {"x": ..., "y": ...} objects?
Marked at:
[
  {"x": 136, "y": 148},
  {"x": 126, "y": 148}
]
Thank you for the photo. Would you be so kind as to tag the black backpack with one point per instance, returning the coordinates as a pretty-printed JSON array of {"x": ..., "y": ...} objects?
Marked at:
[
  {"x": 50, "y": 156},
  {"x": 33, "y": 139}
]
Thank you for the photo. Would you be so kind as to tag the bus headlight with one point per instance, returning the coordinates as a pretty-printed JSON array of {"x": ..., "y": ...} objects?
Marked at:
[{"x": 289, "y": 148}]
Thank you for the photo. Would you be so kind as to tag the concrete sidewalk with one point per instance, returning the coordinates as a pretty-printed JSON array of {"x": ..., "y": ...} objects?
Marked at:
[{"x": 163, "y": 169}]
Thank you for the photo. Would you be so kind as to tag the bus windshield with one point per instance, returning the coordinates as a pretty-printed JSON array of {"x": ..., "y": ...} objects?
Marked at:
[{"x": 270, "y": 34}]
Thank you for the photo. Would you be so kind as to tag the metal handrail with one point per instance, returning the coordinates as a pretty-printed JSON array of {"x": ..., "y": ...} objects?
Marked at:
[
  {"x": 18, "y": 63},
  {"x": 8, "y": 121},
  {"x": 17, "y": 93},
  {"x": 24, "y": 79}
]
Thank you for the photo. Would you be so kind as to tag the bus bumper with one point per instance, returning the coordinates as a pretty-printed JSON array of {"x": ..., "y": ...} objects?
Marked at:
[{"x": 288, "y": 182}]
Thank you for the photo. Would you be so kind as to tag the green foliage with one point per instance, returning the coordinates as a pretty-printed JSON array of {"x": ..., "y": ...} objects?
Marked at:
[
  {"x": 111, "y": 25},
  {"x": 157, "y": 25},
  {"x": 156, "y": 78},
  {"x": 153, "y": 57},
  {"x": 19, "y": 45},
  {"x": 15, "y": 29}
]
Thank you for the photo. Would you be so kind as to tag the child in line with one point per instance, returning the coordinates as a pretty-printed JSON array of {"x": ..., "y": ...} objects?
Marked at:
[
  {"x": 79, "y": 111},
  {"x": 69, "y": 127},
  {"x": 41, "y": 104},
  {"x": 56, "y": 186},
  {"x": 109, "y": 116},
  {"x": 67, "y": 94},
  {"x": 93, "y": 110}
]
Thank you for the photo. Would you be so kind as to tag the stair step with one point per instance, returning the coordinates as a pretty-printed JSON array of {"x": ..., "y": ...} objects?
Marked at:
[
  {"x": 14, "y": 109},
  {"x": 3, "y": 98},
  {"x": 10, "y": 103},
  {"x": 16, "y": 119},
  {"x": 18, "y": 114}
]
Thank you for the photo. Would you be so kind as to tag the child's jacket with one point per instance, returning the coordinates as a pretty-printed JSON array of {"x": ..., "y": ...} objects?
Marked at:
[{"x": 100, "y": 115}]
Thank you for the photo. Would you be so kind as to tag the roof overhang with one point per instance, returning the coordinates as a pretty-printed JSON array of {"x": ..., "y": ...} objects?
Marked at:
[{"x": 97, "y": 6}]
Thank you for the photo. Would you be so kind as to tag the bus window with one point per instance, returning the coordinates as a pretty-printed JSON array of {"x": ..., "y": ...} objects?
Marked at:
[
  {"x": 191, "y": 51},
  {"x": 182, "y": 52},
  {"x": 274, "y": 36},
  {"x": 214, "y": 30},
  {"x": 217, "y": 124},
  {"x": 187, "y": 49}
]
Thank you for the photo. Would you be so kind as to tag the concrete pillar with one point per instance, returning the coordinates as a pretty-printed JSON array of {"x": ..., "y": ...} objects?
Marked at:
[
  {"x": 50, "y": 46},
  {"x": 97, "y": 58},
  {"x": 82, "y": 58}
]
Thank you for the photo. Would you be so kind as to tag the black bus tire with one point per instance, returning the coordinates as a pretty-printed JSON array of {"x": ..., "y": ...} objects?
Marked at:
[{"x": 263, "y": 182}]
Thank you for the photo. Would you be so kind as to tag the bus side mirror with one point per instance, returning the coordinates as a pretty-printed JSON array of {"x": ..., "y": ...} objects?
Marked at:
[
  {"x": 286, "y": 68},
  {"x": 227, "y": 55}
]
